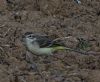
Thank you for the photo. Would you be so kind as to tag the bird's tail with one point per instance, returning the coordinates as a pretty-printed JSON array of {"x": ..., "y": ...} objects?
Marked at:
[{"x": 70, "y": 49}]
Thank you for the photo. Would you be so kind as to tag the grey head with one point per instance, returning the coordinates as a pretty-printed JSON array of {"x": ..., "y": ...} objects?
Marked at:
[{"x": 28, "y": 36}]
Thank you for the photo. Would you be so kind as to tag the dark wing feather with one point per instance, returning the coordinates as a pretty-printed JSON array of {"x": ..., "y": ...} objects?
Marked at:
[{"x": 45, "y": 41}]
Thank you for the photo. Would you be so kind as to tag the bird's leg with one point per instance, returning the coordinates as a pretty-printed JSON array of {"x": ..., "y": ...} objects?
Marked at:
[{"x": 29, "y": 58}]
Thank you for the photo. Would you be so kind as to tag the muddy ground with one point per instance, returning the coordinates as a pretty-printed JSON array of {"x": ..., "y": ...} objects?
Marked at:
[{"x": 59, "y": 18}]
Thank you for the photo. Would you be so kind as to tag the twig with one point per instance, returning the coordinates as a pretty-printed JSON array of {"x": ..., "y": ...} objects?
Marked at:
[
  {"x": 61, "y": 38},
  {"x": 7, "y": 32},
  {"x": 6, "y": 45},
  {"x": 1, "y": 49},
  {"x": 2, "y": 25}
]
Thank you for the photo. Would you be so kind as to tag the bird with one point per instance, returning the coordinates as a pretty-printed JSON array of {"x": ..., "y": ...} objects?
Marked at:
[{"x": 43, "y": 45}]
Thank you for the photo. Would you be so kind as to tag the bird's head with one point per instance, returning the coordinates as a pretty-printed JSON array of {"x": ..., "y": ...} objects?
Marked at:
[{"x": 29, "y": 37}]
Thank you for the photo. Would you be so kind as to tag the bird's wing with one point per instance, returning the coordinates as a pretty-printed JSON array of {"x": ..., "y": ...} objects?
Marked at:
[
  {"x": 46, "y": 41},
  {"x": 43, "y": 41}
]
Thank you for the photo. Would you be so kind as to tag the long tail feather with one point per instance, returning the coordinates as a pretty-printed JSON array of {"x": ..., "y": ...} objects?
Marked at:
[{"x": 75, "y": 50}]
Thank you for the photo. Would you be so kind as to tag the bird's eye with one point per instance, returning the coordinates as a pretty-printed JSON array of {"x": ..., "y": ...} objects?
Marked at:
[{"x": 29, "y": 36}]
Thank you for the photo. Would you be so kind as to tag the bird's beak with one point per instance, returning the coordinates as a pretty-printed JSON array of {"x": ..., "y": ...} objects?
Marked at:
[{"x": 22, "y": 38}]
